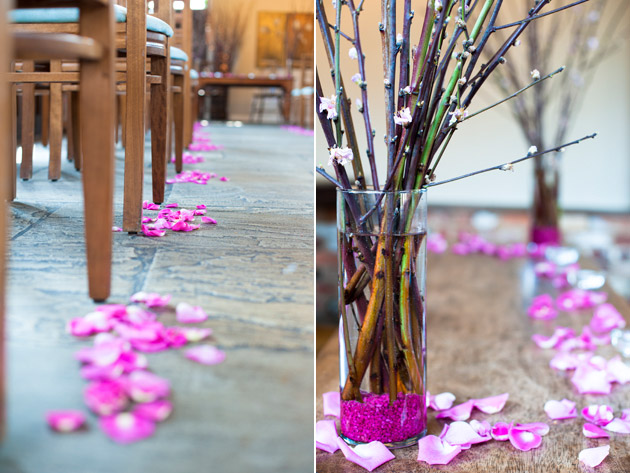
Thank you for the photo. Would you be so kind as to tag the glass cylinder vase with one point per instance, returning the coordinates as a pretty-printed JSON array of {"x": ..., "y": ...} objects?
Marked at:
[
  {"x": 382, "y": 338},
  {"x": 545, "y": 227}
]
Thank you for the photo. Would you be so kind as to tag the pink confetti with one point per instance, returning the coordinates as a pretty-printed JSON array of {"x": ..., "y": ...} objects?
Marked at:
[
  {"x": 188, "y": 314},
  {"x": 205, "y": 354},
  {"x": 593, "y": 432},
  {"x": 65, "y": 420},
  {"x": 326, "y": 436},
  {"x": 564, "y": 409},
  {"x": 332, "y": 403},
  {"x": 126, "y": 428},
  {"x": 369, "y": 456},
  {"x": 594, "y": 456},
  {"x": 436, "y": 451}
]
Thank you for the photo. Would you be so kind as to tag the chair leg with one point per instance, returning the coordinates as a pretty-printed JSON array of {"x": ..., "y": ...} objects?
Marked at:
[
  {"x": 134, "y": 127},
  {"x": 45, "y": 118},
  {"x": 13, "y": 189},
  {"x": 187, "y": 109},
  {"x": 67, "y": 125},
  {"x": 123, "y": 120},
  {"x": 179, "y": 119},
  {"x": 56, "y": 125},
  {"x": 97, "y": 84},
  {"x": 75, "y": 112},
  {"x": 28, "y": 125},
  {"x": 159, "y": 118},
  {"x": 6, "y": 156}
]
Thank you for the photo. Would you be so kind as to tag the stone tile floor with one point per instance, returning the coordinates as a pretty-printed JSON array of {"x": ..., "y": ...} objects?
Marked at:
[{"x": 253, "y": 273}]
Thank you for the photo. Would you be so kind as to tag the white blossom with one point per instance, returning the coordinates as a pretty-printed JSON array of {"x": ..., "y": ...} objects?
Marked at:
[
  {"x": 356, "y": 78},
  {"x": 592, "y": 43},
  {"x": 403, "y": 116},
  {"x": 340, "y": 155},
  {"x": 438, "y": 5},
  {"x": 532, "y": 150},
  {"x": 352, "y": 52},
  {"x": 329, "y": 105},
  {"x": 507, "y": 167},
  {"x": 399, "y": 38},
  {"x": 457, "y": 116},
  {"x": 406, "y": 90},
  {"x": 359, "y": 105},
  {"x": 535, "y": 74},
  {"x": 461, "y": 81}
]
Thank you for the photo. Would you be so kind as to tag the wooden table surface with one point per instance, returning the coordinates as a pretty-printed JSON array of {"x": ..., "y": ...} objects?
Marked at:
[{"x": 479, "y": 344}]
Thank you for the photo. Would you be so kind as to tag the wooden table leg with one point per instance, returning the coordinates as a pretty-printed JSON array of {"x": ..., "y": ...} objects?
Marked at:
[
  {"x": 287, "y": 105},
  {"x": 97, "y": 84},
  {"x": 133, "y": 133}
]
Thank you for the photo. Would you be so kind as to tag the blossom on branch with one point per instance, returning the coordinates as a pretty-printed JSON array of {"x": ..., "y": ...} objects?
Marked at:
[
  {"x": 353, "y": 53},
  {"x": 329, "y": 105},
  {"x": 403, "y": 116},
  {"x": 340, "y": 155}
]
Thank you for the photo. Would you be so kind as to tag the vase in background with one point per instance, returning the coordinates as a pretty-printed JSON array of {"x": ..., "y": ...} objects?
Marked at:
[{"x": 382, "y": 337}]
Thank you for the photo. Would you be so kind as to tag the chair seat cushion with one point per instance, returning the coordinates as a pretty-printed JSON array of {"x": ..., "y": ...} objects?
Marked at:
[
  {"x": 194, "y": 74},
  {"x": 71, "y": 15},
  {"x": 178, "y": 54}
]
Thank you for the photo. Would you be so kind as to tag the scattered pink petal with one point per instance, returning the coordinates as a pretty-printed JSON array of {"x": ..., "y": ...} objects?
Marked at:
[
  {"x": 326, "y": 436},
  {"x": 188, "y": 314},
  {"x": 368, "y": 455},
  {"x": 146, "y": 205},
  {"x": 116, "y": 229},
  {"x": 500, "y": 431},
  {"x": 606, "y": 318},
  {"x": 127, "y": 427},
  {"x": 201, "y": 206},
  {"x": 483, "y": 428},
  {"x": 598, "y": 414},
  {"x": 205, "y": 354},
  {"x": 524, "y": 439},
  {"x": 441, "y": 401},
  {"x": 143, "y": 386},
  {"x": 539, "y": 428},
  {"x": 559, "y": 335},
  {"x": 195, "y": 334},
  {"x": 156, "y": 411},
  {"x": 459, "y": 412},
  {"x": 174, "y": 205},
  {"x": 462, "y": 434},
  {"x": 542, "y": 308},
  {"x": 593, "y": 432},
  {"x": 588, "y": 379},
  {"x": 209, "y": 220},
  {"x": 152, "y": 232},
  {"x": 594, "y": 456},
  {"x": 491, "y": 405},
  {"x": 564, "y": 409},
  {"x": 564, "y": 361},
  {"x": 577, "y": 299},
  {"x": 103, "y": 352},
  {"x": 545, "y": 269},
  {"x": 436, "y": 243},
  {"x": 435, "y": 451},
  {"x": 105, "y": 397},
  {"x": 151, "y": 299},
  {"x": 90, "y": 324},
  {"x": 618, "y": 426},
  {"x": 332, "y": 403},
  {"x": 66, "y": 420},
  {"x": 224, "y": 179}
]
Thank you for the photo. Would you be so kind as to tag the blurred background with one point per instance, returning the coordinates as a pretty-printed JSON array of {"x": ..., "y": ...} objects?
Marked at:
[{"x": 591, "y": 95}]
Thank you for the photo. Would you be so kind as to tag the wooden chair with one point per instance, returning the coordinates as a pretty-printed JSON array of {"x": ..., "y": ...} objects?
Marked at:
[
  {"x": 139, "y": 38},
  {"x": 94, "y": 49}
]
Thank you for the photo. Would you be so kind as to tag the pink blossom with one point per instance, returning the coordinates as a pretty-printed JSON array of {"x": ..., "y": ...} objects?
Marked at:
[
  {"x": 66, "y": 420},
  {"x": 523, "y": 438},
  {"x": 341, "y": 156},
  {"x": 459, "y": 412},
  {"x": 126, "y": 428},
  {"x": 328, "y": 105},
  {"x": 403, "y": 116}
]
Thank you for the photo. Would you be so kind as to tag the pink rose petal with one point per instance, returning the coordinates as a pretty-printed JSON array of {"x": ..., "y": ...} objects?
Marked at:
[
  {"x": 90, "y": 324},
  {"x": 156, "y": 411},
  {"x": 559, "y": 335},
  {"x": 224, "y": 179},
  {"x": 564, "y": 361},
  {"x": 594, "y": 456},
  {"x": 127, "y": 427},
  {"x": 500, "y": 431},
  {"x": 326, "y": 436},
  {"x": 441, "y": 401},
  {"x": 146, "y": 205},
  {"x": 209, "y": 220},
  {"x": 151, "y": 299},
  {"x": 606, "y": 318},
  {"x": 65, "y": 420},
  {"x": 435, "y": 451},
  {"x": 491, "y": 405},
  {"x": 459, "y": 412},
  {"x": 368, "y": 455},
  {"x": 143, "y": 386},
  {"x": 205, "y": 354},
  {"x": 332, "y": 403},
  {"x": 539, "y": 428},
  {"x": 483, "y": 428},
  {"x": 618, "y": 426},
  {"x": 577, "y": 299},
  {"x": 174, "y": 205},
  {"x": 625, "y": 414},
  {"x": 598, "y": 414},
  {"x": 187, "y": 314},
  {"x": 524, "y": 439},
  {"x": 590, "y": 380},
  {"x": 462, "y": 434},
  {"x": 564, "y": 409},
  {"x": 593, "y": 432},
  {"x": 152, "y": 232},
  {"x": 116, "y": 229},
  {"x": 542, "y": 308},
  {"x": 195, "y": 334},
  {"x": 105, "y": 397},
  {"x": 618, "y": 371}
]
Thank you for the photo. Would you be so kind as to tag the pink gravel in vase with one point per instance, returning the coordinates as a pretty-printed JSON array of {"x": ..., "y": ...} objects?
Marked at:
[{"x": 375, "y": 419}]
